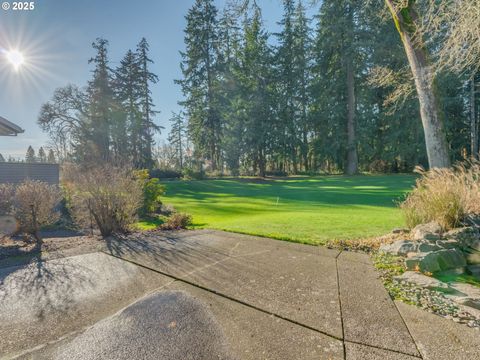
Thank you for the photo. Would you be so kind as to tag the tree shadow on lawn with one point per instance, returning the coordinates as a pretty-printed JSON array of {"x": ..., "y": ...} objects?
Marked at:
[{"x": 372, "y": 193}]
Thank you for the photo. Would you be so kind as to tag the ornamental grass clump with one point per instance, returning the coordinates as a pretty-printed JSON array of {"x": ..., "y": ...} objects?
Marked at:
[{"x": 448, "y": 196}]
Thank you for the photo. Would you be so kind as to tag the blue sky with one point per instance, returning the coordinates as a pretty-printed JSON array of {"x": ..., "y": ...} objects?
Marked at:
[{"x": 56, "y": 41}]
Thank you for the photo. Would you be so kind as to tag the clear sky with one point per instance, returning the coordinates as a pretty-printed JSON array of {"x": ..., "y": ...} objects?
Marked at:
[{"x": 56, "y": 38}]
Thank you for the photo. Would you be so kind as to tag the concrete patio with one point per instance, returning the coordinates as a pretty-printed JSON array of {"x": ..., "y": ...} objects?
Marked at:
[{"x": 215, "y": 295}]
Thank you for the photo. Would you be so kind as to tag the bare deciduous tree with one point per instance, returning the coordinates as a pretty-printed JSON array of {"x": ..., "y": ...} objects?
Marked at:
[{"x": 408, "y": 23}]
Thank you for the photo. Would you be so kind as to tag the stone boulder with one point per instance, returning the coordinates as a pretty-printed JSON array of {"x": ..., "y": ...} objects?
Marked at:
[
  {"x": 464, "y": 235},
  {"x": 423, "y": 281},
  {"x": 427, "y": 232},
  {"x": 474, "y": 270},
  {"x": 448, "y": 244},
  {"x": 436, "y": 261},
  {"x": 468, "y": 240},
  {"x": 400, "y": 247},
  {"x": 427, "y": 247},
  {"x": 466, "y": 295}
]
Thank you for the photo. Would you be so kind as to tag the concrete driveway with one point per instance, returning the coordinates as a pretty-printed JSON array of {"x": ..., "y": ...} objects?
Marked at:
[{"x": 215, "y": 295}]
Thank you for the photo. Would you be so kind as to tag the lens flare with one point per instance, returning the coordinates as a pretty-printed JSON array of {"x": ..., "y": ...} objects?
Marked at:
[{"x": 16, "y": 58}]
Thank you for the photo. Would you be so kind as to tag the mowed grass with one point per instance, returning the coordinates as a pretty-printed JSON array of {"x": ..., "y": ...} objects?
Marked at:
[{"x": 309, "y": 210}]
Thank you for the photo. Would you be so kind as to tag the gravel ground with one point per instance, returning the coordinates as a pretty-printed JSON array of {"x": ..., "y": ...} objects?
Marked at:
[{"x": 430, "y": 300}]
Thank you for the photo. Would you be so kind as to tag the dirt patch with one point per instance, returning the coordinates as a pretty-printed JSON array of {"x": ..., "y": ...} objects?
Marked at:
[
  {"x": 56, "y": 244},
  {"x": 368, "y": 244}
]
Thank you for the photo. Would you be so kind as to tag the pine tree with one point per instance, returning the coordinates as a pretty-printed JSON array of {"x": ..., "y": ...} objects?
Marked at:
[
  {"x": 302, "y": 44},
  {"x": 255, "y": 80},
  {"x": 30, "y": 156},
  {"x": 286, "y": 86},
  {"x": 336, "y": 53},
  {"x": 176, "y": 138},
  {"x": 147, "y": 125},
  {"x": 200, "y": 80},
  {"x": 100, "y": 96},
  {"x": 127, "y": 92},
  {"x": 42, "y": 156},
  {"x": 51, "y": 157},
  {"x": 228, "y": 91}
]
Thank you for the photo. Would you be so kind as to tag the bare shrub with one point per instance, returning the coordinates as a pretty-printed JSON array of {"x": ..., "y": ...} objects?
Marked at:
[
  {"x": 177, "y": 221},
  {"x": 107, "y": 197},
  {"x": 446, "y": 196},
  {"x": 7, "y": 192},
  {"x": 167, "y": 209},
  {"x": 34, "y": 205}
]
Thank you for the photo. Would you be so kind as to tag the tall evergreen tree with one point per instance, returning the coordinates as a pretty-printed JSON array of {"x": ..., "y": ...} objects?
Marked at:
[
  {"x": 302, "y": 45},
  {"x": 147, "y": 125},
  {"x": 100, "y": 96},
  {"x": 229, "y": 52},
  {"x": 336, "y": 71},
  {"x": 286, "y": 87},
  {"x": 177, "y": 137},
  {"x": 42, "y": 156},
  {"x": 255, "y": 78},
  {"x": 51, "y": 157},
  {"x": 30, "y": 156},
  {"x": 127, "y": 92},
  {"x": 200, "y": 80}
]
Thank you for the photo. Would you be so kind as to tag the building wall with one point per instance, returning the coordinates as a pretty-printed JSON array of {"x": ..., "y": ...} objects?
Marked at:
[{"x": 15, "y": 173}]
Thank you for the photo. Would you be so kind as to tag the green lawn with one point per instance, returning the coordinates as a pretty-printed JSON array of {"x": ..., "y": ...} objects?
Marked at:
[{"x": 310, "y": 210}]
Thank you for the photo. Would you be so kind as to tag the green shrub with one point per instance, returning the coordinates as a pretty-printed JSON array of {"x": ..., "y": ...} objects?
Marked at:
[
  {"x": 152, "y": 192},
  {"x": 192, "y": 174},
  {"x": 446, "y": 196},
  {"x": 275, "y": 173},
  {"x": 177, "y": 221},
  {"x": 165, "y": 174}
]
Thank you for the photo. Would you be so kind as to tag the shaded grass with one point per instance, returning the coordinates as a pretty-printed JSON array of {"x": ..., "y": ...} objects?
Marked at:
[
  {"x": 460, "y": 278},
  {"x": 149, "y": 223},
  {"x": 309, "y": 210}
]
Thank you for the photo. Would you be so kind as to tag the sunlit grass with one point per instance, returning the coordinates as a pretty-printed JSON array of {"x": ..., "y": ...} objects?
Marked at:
[{"x": 309, "y": 210}]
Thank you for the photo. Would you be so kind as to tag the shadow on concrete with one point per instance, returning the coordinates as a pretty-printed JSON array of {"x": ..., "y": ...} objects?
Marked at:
[{"x": 47, "y": 286}]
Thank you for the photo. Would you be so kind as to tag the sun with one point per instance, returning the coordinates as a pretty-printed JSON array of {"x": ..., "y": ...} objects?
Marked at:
[{"x": 16, "y": 58}]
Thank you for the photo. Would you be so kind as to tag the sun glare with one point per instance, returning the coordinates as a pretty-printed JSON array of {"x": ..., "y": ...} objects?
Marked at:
[{"x": 16, "y": 58}]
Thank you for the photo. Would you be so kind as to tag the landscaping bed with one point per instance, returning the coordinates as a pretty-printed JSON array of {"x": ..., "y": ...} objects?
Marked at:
[
  {"x": 59, "y": 243},
  {"x": 436, "y": 270}
]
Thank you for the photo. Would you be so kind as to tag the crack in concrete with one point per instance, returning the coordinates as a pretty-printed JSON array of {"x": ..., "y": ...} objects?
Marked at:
[
  {"x": 241, "y": 302},
  {"x": 408, "y": 329},
  {"x": 340, "y": 306}
]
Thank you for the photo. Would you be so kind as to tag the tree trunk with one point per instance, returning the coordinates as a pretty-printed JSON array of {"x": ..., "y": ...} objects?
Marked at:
[
  {"x": 352, "y": 156},
  {"x": 261, "y": 165},
  {"x": 473, "y": 120},
  {"x": 435, "y": 138}
]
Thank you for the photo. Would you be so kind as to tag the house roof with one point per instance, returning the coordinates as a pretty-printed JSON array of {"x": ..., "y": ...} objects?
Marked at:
[{"x": 8, "y": 128}]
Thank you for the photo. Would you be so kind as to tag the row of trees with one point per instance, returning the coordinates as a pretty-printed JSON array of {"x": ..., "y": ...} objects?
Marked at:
[
  {"x": 341, "y": 91},
  {"x": 31, "y": 157},
  {"x": 112, "y": 118},
  {"x": 40, "y": 157}
]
